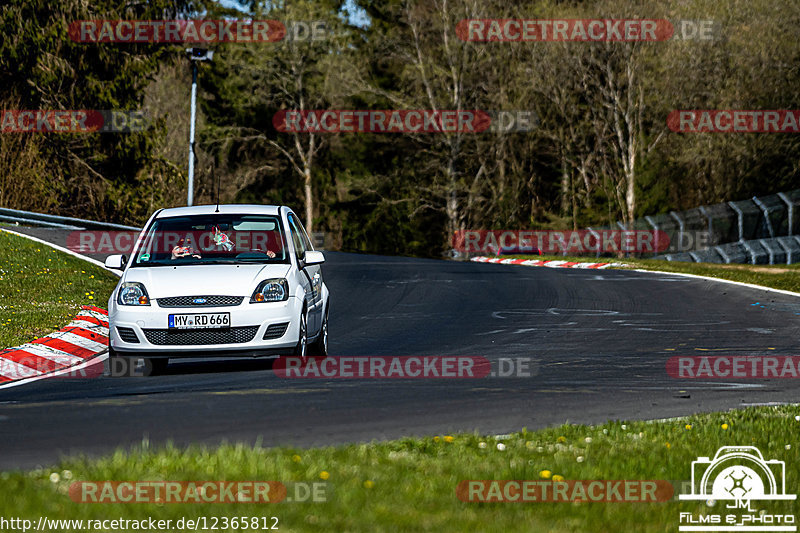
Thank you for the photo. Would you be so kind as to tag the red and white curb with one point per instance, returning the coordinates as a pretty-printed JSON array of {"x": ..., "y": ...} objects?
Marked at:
[
  {"x": 549, "y": 264},
  {"x": 73, "y": 347}
]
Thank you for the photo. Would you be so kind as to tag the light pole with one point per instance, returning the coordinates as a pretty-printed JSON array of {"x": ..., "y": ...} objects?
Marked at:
[{"x": 195, "y": 55}]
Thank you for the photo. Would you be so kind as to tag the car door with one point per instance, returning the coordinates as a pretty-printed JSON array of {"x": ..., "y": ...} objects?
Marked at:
[{"x": 310, "y": 276}]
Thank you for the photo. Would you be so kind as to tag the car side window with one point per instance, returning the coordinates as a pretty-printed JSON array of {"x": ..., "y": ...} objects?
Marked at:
[
  {"x": 297, "y": 238},
  {"x": 303, "y": 235}
]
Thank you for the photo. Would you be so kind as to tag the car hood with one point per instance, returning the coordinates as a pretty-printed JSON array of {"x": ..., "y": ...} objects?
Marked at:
[{"x": 196, "y": 280}]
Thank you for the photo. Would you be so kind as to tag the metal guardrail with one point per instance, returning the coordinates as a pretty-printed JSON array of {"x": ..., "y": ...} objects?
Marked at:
[
  {"x": 759, "y": 230},
  {"x": 53, "y": 221}
]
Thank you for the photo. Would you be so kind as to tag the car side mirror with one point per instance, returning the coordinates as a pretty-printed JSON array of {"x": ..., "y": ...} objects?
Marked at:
[
  {"x": 116, "y": 262},
  {"x": 313, "y": 258}
]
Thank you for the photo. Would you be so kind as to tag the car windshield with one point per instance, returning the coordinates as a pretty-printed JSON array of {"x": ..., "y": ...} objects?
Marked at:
[{"x": 213, "y": 239}]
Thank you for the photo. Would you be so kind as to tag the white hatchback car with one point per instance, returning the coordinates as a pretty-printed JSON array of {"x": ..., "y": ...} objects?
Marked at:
[{"x": 210, "y": 281}]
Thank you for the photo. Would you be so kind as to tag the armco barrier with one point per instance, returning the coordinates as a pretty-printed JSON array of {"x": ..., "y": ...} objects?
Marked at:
[
  {"x": 723, "y": 223},
  {"x": 792, "y": 199},
  {"x": 758, "y": 254},
  {"x": 775, "y": 214},
  {"x": 749, "y": 219},
  {"x": 777, "y": 255},
  {"x": 29, "y": 217},
  {"x": 791, "y": 246},
  {"x": 733, "y": 252},
  {"x": 709, "y": 255},
  {"x": 757, "y": 231}
]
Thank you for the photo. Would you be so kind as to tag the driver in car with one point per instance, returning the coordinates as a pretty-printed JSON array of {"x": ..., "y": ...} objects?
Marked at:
[
  {"x": 183, "y": 251},
  {"x": 219, "y": 238}
]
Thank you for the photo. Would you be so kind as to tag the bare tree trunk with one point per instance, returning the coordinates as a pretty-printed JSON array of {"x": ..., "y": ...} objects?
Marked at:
[
  {"x": 564, "y": 186},
  {"x": 451, "y": 208},
  {"x": 630, "y": 192},
  {"x": 309, "y": 200}
]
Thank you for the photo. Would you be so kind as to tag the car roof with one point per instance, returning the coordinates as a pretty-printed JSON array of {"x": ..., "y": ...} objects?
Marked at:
[{"x": 228, "y": 209}]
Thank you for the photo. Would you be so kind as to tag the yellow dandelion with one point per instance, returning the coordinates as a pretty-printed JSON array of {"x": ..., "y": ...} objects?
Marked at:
[
  {"x": 668, "y": 445},
  {"x": 368, "y": 484},
  {"x": 725, "y": 426},
  {"x": 448, "y": 438},
  {"x": 688, "y": 426},
  {"x": 545, "y": 474},
  {"x": 558, "y": 478},
  {"x": 436, "y": 438},
  {"x": 562, "y": 439},
  {"x": 296, "y": 458},
  {"x": 324, "y": 475}
]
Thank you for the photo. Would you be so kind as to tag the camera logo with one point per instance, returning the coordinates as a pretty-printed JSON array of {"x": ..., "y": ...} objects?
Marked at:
[{"x": 738, "y": 474}]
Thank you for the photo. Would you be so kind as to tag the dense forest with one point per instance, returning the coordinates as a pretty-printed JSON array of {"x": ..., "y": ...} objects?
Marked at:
[{"x": 601, "y": 149}]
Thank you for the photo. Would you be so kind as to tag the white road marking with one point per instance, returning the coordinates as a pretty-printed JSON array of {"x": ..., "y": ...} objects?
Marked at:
[
  {"x": 13, "y": 370},
  {"x": 57, "y": 356},
  {"x": 89, "y": 362},
  {"x": 77, "y": 340}
]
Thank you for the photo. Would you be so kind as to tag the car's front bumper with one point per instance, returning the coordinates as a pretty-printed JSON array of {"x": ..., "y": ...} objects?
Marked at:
[{"x": 249, "y": 325}]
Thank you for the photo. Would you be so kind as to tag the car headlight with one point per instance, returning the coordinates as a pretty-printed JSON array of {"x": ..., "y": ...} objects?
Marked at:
[
  {"x": 133, "y": 294},
  {"x": 271, "y": 290}
]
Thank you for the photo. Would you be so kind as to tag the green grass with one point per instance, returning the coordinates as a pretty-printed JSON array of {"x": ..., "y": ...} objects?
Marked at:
[
  {"x": 41, "y": 289},
  {"x": 785, "y": 277},
  {"x": 410, "y": 484}
]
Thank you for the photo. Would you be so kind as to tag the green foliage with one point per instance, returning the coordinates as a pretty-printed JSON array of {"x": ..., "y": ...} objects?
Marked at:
[{"x": 41, "y": 68}]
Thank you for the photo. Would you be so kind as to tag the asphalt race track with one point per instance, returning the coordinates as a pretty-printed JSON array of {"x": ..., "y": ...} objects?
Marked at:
[{"x": 601, "y": 338}]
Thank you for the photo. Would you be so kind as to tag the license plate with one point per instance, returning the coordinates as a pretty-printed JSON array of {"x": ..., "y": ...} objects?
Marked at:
[{"x": 200, "y": 321}]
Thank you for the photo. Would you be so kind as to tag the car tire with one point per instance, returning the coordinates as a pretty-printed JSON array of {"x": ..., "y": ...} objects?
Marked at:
[
  {"x": 320, "y": 346},
  {"x": 301, "y": 350}
]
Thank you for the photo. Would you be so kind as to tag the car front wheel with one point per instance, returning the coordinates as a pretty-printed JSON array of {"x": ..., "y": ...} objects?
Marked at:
[
  {"x": 320, "y": 346},
  {"x": 301, "y": 350}
]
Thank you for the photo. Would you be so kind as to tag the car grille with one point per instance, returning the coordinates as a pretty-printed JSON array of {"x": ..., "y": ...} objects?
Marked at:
[
  {"x": 276, "y": 331},
  {"x": 210, "y": 301},
  {"x": 128, "y": 335},
  {"x": 201, "y": 336}
]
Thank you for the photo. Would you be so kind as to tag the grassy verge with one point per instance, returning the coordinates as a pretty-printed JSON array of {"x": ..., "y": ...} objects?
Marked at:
[
  {"x": 41, "y": 289},
  {"x": 410, "y": 484},
  {"x": 785, "y": 277}
]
